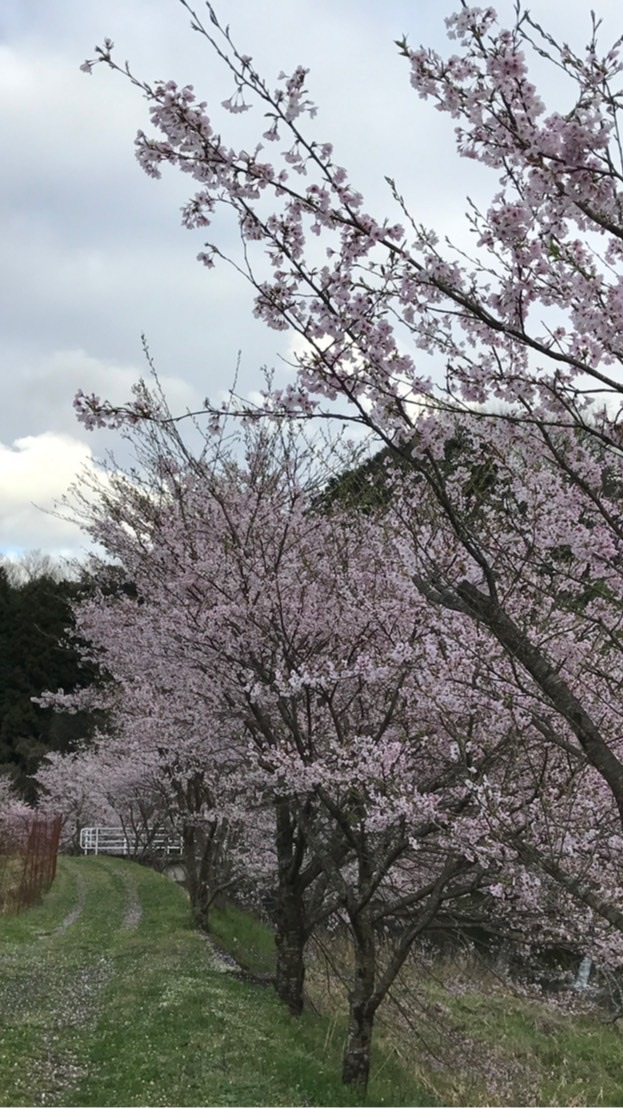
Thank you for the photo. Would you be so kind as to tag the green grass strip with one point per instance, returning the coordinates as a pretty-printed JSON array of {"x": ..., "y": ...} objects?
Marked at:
[{"x": 93, "y": 1012}]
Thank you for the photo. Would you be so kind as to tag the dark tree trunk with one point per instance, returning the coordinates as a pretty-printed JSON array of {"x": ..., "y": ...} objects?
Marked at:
[
  {"x": 197, "y": 848},
  {"x": 290, "y": 916},
  {"x": 362, "y": 1006},
  {"x": 200, "y": 902},
  {"x": 356, "y": 1058},
  {"x": 290, "y": 939}
]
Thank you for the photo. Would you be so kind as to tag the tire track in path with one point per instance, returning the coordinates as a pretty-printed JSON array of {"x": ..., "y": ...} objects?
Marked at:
[
  {"x": 133, "y": 908},
  {"x": 54, "y": 985},
  {"x": 74, "y": 915}
]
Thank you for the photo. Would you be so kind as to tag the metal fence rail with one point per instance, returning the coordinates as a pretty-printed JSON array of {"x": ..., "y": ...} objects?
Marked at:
[{"x": 114, "y": 840}]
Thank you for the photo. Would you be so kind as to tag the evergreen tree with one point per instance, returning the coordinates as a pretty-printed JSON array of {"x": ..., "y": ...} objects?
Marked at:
[{"x": 35, "y": 655}]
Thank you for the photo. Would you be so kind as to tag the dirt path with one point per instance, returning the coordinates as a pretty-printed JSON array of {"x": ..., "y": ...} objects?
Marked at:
[
  {"x": 109, "y": 996},
  {"x": 76, "y": 911},
  {"x": 133, "y": 913},
  {"x": 52, "y": 982},
  {"x": 63, "y": 968},
  {"x": 76, "y": 1000}
]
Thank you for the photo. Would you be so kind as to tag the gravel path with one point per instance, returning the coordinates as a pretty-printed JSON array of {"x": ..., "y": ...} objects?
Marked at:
[
  {"x": 221, "y": 960},
  {"x": 51, "y": 988},
  {"x": 75, "y": 1002},
  {"x": 56, "y": 984}
]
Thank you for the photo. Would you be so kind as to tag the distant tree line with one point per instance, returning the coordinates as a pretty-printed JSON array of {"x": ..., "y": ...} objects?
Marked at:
[{"x": 36, "y": 654}]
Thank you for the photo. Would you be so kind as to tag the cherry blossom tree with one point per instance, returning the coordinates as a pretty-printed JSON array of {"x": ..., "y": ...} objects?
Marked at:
[
  {"x": 172, "y": 642},
  {"x": 315, "y": 722},
  {"x": 111, "y": 785},
  {"x": 156, "y": 770},
  {"x": 70, "y": 789},
  {"x": 495, "y": 378},
  {"x": 12, "y": 807}
]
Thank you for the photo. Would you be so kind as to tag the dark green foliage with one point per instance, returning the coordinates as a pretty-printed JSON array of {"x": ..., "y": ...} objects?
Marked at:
[
  {"x": 36, "y": 656},
  {"x": 368, "y": 487}
]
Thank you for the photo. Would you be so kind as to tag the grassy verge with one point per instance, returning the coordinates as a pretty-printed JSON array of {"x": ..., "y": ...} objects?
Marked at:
[
  {"x": 524, "y": 1050},
  {"x": 96, "y": 1012},
  {"x": 245, "y": 937},
  {"x": 11, "y": 871},
  {"x": 469, "y": 1037}
]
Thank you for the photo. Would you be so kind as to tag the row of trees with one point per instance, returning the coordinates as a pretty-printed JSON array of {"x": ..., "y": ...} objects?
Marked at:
[
  {"x": 284, "y": 695},
  {"x": 410, "y": 712}
]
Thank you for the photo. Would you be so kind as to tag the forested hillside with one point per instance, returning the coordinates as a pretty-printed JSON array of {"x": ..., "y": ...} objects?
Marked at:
[{"x": 35, "y": 655}]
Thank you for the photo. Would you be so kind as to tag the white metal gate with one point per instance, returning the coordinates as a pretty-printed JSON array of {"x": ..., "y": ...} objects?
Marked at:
[{"x": 113, "y": 840}]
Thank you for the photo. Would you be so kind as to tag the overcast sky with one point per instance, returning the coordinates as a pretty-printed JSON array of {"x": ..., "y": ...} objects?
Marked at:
[{"x": 92, "y": 252}]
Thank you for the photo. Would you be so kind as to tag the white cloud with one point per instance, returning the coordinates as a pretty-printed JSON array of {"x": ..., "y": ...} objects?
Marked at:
[{"x": 35, "y": 472}]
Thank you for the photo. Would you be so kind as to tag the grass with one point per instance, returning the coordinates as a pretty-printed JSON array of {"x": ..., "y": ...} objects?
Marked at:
[
  {"x": 469, "y": 1037},
  {"x": 96, "y": 1013},
  {"x": 245, "y": 937},
  {"x": 97, "y": 1008},
  {"x": 11, "y": 871},
  {"x": 550, "y": 1055}
]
